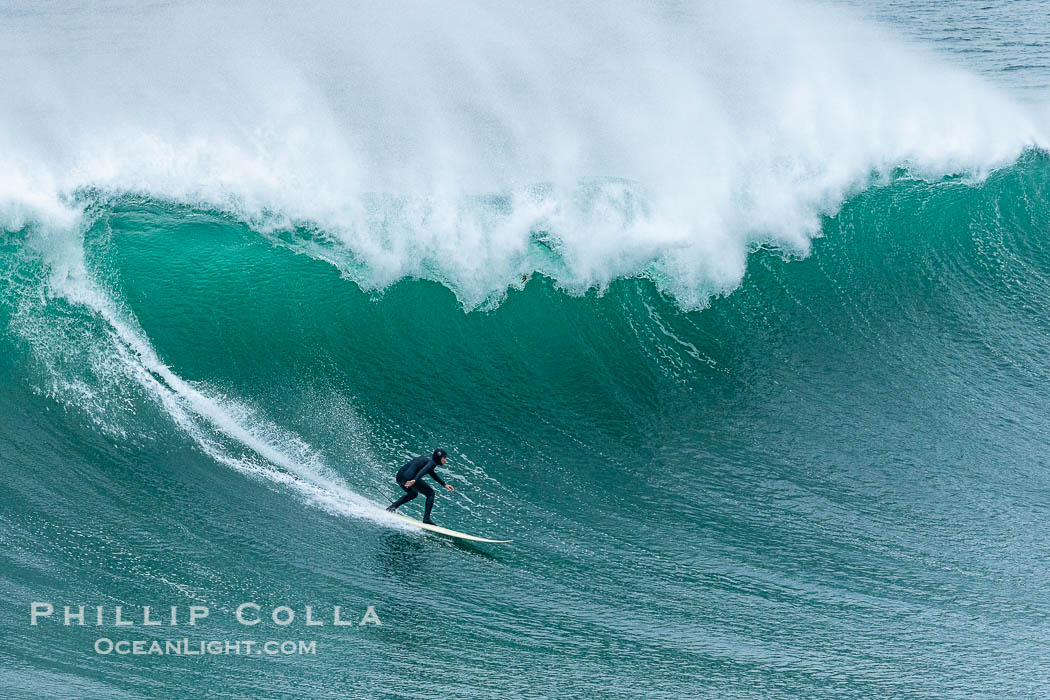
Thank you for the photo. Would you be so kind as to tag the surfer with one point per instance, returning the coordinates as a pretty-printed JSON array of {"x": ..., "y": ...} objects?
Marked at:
[{"x": 410, "y": 478}]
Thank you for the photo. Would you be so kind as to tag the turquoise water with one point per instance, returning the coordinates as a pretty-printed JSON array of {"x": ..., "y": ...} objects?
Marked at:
[{"x": 774, "y": 428}]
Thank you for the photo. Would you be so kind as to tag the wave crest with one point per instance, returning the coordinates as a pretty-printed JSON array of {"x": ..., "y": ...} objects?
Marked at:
[{"x": 466, "y": 144}]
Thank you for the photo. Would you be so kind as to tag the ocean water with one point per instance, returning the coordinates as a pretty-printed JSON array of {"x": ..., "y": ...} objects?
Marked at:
[{"x": 735, "y": 318}]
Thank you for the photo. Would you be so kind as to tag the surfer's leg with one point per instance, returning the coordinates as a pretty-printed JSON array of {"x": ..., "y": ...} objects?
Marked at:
[
  {"x": 425, "y": 489},
  {"x": 409, "y": 495}
]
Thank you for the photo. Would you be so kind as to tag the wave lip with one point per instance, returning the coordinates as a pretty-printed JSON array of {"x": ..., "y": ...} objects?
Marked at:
[{"x": 476, "y": 144}]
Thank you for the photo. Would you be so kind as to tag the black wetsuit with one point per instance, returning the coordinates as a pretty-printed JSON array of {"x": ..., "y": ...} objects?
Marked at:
[{"x": 417, "y": 469}]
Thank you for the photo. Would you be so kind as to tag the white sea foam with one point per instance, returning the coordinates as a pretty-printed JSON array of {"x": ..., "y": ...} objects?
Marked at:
[{"x": 475, "y": 142}]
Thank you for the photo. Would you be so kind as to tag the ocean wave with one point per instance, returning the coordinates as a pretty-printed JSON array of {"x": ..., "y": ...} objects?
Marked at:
[{"x": 474, "y": 145}]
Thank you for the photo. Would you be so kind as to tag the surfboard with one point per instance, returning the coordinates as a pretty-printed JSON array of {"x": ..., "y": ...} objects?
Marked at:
[{"x": 445, "y": 531}]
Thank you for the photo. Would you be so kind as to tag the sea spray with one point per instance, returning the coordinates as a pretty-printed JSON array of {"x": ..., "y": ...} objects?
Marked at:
[{"x": 475, "y": 144}]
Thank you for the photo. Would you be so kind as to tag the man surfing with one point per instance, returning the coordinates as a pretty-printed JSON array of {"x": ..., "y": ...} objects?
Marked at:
[{"x": 410, "y": 478}]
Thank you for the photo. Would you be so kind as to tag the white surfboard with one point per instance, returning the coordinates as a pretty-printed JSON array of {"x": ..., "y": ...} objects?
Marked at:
[{"x": 445, "y": 531}]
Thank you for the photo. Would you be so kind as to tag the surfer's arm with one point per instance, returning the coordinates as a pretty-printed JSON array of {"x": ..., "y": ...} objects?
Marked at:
[{"x": 428, "y": 468}]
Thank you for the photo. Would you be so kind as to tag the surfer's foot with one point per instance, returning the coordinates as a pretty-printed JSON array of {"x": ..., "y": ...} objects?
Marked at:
[
  {"x": 391, "y": 508},
  {"x": 428, "y": 521}
]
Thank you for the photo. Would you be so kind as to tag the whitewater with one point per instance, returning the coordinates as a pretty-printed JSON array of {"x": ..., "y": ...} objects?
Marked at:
[{"x": 473, "y": 145}]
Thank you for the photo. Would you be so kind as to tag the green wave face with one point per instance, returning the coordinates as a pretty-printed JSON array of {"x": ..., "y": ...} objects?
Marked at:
[{"x": 830, "y": 481}]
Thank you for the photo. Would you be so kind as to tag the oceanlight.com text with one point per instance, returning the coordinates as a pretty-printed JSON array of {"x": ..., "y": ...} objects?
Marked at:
[{"x": 188, "y": 647}]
